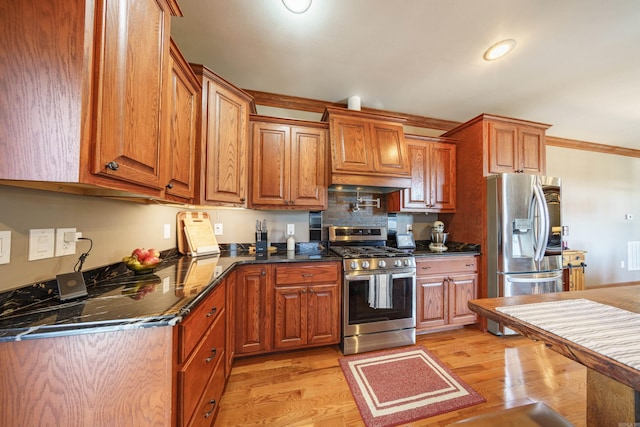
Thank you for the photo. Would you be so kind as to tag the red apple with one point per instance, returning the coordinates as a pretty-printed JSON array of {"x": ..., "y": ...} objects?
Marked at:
[
  {"x": 150, "y": 260},
  {"x": 154, "y": 252},
  {"x": 140, "y": 253}
]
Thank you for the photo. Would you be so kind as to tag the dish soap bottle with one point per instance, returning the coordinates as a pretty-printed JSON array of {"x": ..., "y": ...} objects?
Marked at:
[{"x": 291, "y": 243}]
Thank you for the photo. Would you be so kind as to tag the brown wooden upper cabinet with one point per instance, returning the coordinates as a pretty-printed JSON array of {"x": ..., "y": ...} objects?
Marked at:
[
  {"x": 185, "y": 103},
  {"x": 516, "y": 148},
  {"x": 288, "y": 164},
  {"x": 508, "y": 145},
  {"x": 367, "y": 149},
  {"x": 90, "y": 94},
  {"x": 223, "y": 135},
  {"x": 433, "y": 177}
]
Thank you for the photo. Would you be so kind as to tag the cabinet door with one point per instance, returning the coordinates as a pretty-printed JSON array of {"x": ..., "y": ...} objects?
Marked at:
[
  {"x": 308, "y": 182},
  {"x": 324, "y": 314},
  {"x": 290, "y": 317},
  {"x": 442, "y": 177},
  {"x": 253, "y": 310},
  {"x": 185, "y": 97},
  {"x": 390, "y": 149},
  {"x": 532, "y": 150},
  {"x": 417, "y": 197},
  {"x": 225, "y": 126},
  {"x": 271, "y": 164},
  {"x": 131, "y": 141},
  {"x": 462, "y": 289},
  {"x": 431, "y": 302},
  {"x": 351, "y": 148},
  {"x": 503, "y": 147}
]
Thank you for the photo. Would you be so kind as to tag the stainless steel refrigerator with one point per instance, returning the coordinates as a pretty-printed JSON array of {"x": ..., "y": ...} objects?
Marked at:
[{"x": 524, "y": 241}]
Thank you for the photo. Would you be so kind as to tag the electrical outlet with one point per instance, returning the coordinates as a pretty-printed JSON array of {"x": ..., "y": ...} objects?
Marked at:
[
  {"x": 65, "y": 246},
  {"x": 41, "y": 243},
  {"x": 409, "y": 228},
  {"x": 628, "y": 217},
  {"x": 217, "y": 229},
  {"x": 291, "y": 229},
  {"x": 167, "y": 231},
  {"x": 5, "y": 247}
]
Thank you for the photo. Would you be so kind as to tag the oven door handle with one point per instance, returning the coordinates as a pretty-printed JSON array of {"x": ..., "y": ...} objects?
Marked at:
[{"x": 358, "y": 277}]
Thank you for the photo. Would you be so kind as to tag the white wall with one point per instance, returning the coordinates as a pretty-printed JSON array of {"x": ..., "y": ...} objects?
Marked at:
[{"x": 598, "y": 190}]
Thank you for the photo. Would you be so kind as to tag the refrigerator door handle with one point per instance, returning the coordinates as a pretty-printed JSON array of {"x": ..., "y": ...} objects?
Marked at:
[
  {"x": 543, "y": 229},
  {"x": 545, "y": 279}
]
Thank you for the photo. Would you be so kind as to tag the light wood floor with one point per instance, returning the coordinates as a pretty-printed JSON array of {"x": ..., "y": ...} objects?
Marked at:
[{"x": 307, "y": 388}]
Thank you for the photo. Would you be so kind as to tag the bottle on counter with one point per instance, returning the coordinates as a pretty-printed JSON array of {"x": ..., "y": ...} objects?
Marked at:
[{"x": 291, "y": 243}]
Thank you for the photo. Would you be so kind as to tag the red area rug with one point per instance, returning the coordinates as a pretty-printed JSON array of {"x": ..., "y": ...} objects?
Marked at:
[{"x": 405, "y": 384}]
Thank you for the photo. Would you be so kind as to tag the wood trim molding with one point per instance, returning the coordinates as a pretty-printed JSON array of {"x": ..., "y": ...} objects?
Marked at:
[
  {"x": 591, "y": 146},
  {"x": 319, "y": 106}
]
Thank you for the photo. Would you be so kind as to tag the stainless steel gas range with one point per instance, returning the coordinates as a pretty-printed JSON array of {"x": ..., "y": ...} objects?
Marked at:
[{"x": 379, "y": 308}]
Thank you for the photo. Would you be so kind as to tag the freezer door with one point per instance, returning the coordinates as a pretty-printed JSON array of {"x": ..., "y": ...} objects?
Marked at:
[{"x": 528, "y": 284}]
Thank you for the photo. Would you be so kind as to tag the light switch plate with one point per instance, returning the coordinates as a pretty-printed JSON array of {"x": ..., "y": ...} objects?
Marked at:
[
  {"x": 5, "y": 247},
  {"x": 291, "y": 229},
  {"x": 41, "y": 243},
  {"x": 217, "y": 229}
]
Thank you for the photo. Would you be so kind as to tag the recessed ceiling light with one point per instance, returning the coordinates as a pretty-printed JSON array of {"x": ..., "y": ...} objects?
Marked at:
[
  {"x": 499, "y": 49},
  {"x": 297, "y": 6}
]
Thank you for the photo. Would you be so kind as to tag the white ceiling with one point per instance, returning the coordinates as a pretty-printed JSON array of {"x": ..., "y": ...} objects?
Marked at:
[{"x": 576, "y": 64}]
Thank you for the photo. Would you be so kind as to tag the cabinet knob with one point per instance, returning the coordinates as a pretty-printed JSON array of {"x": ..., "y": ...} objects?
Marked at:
[
  {"x": 169, "y": 186},
  {"x": 112, "y": 166},
  {"x": 263, "y": 273},
  {"x": 303, "y": 291},
  {"x": 212, "y": 312},
  {"x": 242, "y": 199}
]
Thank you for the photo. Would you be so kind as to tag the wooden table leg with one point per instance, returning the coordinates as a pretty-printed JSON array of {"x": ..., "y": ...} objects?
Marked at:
[{"x": 611, "y": 403}]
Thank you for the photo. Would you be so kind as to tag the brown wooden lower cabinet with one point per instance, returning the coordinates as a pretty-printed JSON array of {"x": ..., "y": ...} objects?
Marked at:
[
  {"x": 281, "y": 307},
  {"x": 254, "y": 309},
  {"x": 200, "y": 360},
  {"x": 444, "y": 286},
  {"x": 307, "y": 308}
]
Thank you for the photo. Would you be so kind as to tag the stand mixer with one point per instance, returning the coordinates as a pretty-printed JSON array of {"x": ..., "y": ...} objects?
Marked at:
[{"x": 438, "y": 237}]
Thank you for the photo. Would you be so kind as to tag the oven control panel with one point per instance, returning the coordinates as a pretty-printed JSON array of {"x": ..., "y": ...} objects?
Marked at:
[{"x": 389, "y": 264}]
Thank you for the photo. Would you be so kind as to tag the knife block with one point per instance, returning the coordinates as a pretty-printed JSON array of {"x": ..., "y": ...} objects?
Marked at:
[{"x": 261, "y": 245}]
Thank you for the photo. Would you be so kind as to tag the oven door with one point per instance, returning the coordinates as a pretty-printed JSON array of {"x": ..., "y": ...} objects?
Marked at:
[{"x": 379, "y": 301}]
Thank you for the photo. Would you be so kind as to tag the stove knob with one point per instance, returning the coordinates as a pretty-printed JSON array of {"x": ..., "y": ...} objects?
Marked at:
[
  {"x": 365, "y": 264},
  {"x": 397, "y": 263},
  {"x": 382, "y": 264},
  {"x": 353, "y": 265},
  {"x": 407, "y": 262}
]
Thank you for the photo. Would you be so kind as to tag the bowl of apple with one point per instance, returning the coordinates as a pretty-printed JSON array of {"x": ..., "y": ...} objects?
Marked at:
[{"x": 142, "y": 261}]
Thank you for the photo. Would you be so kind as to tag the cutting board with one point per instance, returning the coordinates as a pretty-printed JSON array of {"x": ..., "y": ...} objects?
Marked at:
[{"x": 195, "y": 234}]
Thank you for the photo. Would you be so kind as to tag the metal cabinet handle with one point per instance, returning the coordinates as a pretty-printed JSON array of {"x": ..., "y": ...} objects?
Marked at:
[
  {"x": 307, "y": 275},
  {"x": 212, "y": 312},
  {"x": 583, "y": 265},
  {"x": 169, "y": 185},
  {"x": 303, "y": 291},
  {"x": 469, "y": 265},
  {"x": 263, "y": 273},
  {"x": 113, "y": 166},
  {"x": 242, "y": 199},
  {"x": 213, "y": 355},
  {"x": 426, "y": 267},
  {"x": 211, "y": 402}
]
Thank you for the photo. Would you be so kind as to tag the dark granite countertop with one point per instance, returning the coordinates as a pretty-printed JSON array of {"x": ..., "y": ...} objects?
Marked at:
[{"x": 117, "y": 299}]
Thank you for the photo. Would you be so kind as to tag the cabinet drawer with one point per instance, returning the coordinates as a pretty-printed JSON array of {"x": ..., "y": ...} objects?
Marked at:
[
  {"x": 575, "y": 258},
  {"x": 458, "y": 264},
  {"x": 307, "y": 273},
  {"x": 198, "y": 322},
  {"x": 207, "y": 409},
  {"x": 196, "y": 372}
]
